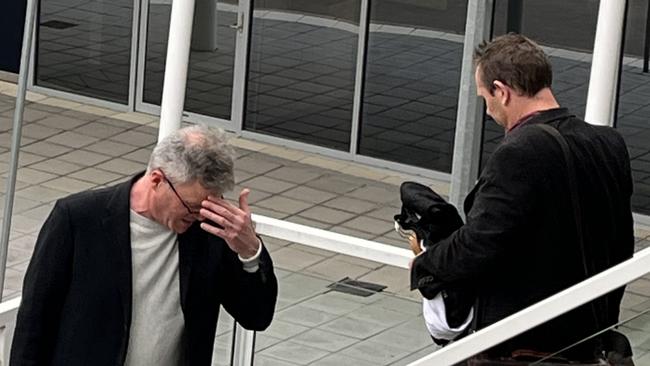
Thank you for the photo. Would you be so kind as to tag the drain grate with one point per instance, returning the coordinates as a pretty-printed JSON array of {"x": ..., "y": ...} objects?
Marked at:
[
  {"x": 57, "y": 24},
  {"x": 357, "y": 288}
]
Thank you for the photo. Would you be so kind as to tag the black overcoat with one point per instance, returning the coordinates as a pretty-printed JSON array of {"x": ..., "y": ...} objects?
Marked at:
[
  {"x": 76, "y": 299},
  {"x": 519, "y": 243}
]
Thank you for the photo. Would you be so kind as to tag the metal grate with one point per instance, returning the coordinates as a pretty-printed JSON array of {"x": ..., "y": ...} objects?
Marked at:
[{"x": 357, "y": 288}]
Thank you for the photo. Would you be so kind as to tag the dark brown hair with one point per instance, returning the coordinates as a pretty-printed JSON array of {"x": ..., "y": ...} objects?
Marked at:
[{"x": 515, "y": 61}]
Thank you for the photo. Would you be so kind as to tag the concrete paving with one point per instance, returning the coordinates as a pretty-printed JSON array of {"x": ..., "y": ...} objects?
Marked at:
[{"x": 69, "y": 147}]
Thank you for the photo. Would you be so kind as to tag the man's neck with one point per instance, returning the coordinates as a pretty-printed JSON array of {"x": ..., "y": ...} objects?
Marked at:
[
  {"x": 138, "y": 199},
  {"x": 526, "y": 106}
]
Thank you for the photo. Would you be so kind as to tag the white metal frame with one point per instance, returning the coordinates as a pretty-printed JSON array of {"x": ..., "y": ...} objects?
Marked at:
[{"x": 239, "y": 73}]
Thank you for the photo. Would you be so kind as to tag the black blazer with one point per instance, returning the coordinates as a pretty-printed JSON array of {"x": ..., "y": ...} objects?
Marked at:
[
  {"x": 76, "y": 300},
  {"x": 519, "y": 243}
]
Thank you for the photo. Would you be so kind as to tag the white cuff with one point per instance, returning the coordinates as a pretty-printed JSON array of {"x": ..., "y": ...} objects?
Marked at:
[{"x": 251, "y": 265}]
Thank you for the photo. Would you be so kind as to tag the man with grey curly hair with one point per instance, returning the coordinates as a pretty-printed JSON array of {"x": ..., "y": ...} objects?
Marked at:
[{"x": 135, "y": 274}]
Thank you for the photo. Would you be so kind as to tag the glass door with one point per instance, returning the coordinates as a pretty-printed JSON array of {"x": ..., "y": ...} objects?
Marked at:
[{"x": 217, "y": 60}]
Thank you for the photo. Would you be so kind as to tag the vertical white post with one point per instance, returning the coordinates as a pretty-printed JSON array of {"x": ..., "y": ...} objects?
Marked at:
[
  {"x": 178, "y": 57},
  {"x": 604, "y": 65},
  {"x": 242, "y": 354},
  {"x": 469, "y": 119},
  {"x": 28, "y": 33}
]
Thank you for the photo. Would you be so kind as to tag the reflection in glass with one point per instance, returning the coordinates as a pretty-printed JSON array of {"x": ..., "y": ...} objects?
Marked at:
[
  {"x": 84, "y": 47},
  {"x": 212, "y": 57},
  {"x": 568, "y": 44},
  {"x": 633, "y": 110},
  {"x": 302, "y": 70},
  {"x": 411, "y": 82}
]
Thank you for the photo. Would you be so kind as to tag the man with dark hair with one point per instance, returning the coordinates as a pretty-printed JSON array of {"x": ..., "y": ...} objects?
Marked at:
[
  {"x": 550, "y": 208},
  {"x": 135, "y": 274}
]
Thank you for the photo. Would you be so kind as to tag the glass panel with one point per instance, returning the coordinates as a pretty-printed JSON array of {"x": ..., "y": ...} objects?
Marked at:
[
  {"x": 84, "y": 47},
  {"x": 634, "y": 105},
  {"x": 212, "y": 56},
  {"x": 315, "y": 324},
  {"x": 411, "y": 84},
  {"x": 568, "y": 44},
  {"x": 302, "y": 70}
]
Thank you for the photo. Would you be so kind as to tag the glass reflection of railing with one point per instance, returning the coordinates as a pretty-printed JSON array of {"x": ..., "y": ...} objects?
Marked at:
[{"x": 635, "y": 325}]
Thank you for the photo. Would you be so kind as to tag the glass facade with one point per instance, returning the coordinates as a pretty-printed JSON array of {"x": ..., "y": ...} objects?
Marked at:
[
  {"x": 212, "y": 57},
  {"x": 633, "y": 109},
  {"x": 302, "y": 70},
  {"x": 84, "y": 47},
  {"x": 569, "y": 49},
  {"x": 411, "y": 82}
]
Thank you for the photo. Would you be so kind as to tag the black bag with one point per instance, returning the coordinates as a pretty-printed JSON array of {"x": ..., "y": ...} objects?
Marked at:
[{"x": 432, "y": 219}]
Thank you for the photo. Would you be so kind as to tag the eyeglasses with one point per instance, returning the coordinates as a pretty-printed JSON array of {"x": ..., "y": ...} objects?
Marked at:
[{"x": 189, "y": 209}]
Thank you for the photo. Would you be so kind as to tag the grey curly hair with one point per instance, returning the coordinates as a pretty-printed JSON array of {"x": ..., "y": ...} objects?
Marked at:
[{"x": 196, "y": 153}]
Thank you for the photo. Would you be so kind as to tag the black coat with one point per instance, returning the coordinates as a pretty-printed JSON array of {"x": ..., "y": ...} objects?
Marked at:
[
  {"x": 76, "y": 300},
  {"x": 519, "y": 244}
]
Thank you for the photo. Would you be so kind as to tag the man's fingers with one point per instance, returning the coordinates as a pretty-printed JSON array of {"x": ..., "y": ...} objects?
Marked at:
[{"x": 243, "y": 200}]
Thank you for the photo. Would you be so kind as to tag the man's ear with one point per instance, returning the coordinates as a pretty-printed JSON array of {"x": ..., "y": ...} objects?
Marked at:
[
  {"x": 156, "y": 177},
  {"x": 502, "y": 91}
]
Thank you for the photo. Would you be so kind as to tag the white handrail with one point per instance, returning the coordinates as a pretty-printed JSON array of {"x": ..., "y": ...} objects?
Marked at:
[
  {"x": 8, "y": 312},
  {"x": 339, "y": 243},
  {"x": 541, "y": 312}
]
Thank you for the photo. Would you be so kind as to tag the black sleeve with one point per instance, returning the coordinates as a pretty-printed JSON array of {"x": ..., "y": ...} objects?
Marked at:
[
  {"x": 502, "y": 204},
  {"x": 250, "y": 297},
  {"x": 46, "y": 282}
]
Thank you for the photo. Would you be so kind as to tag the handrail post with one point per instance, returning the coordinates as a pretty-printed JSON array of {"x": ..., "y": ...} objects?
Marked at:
[{"x": 243, "y": 346}]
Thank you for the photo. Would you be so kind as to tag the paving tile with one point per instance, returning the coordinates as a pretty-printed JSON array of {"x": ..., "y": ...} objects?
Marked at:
[
  {"x": 33, "y": 176},
  {"x": 335, "y": 184},
  {"x": 41, "y": 194},
  {"x": 56, "y": 166},
  {"x": 375, "y": 194},
  {"x": 308, "y": 222},
  {"x": 304, "y": 316},
  {"x": 253, "y": 197},
  {"x": 308, "y": 194},
  {"x": 268, "y": 185},
  {"x": 313, "y": 250},
  {"x": 294, "y": 259},
  {"x": 335, "y": 269},
  {"x": 327, "y": 215},
  {"x": 135, "y": 138},
  {"x": 377, "y": 353},
  {"x": 254, "y": 165},
  {"x": 46, "y": 149},
  {"x": 283, "y": 330},
  {"x": 25, "y": 224},
  {"x": 269, "y": 212},
  {"x": 24, "y": 158},
  {"x": 284, "y": 204},
  {"x": 294, "y": 352},
  {"x": 95, "y": 175},
  {"x": 22, "y": 204},
  {"x": 369, "y": 225},
  {"x": 356, "y": 328},
  {"x": 332, "y": 303},
  {"x": 38, "y": 131},
  {"x": 298, "y": 287},
  {"x": 264, "y": 360},
  {"x": 61, "y": 121},
  {"x": 359, "y": 261},
  {"x": 99, "y": 130},
  {"x": 405, "y": 306},
  {"x": 392, "y": 277},
  {"x": 416, "y": 355},
  {"x": 350, "y": 204},
  {"x": 140, "y": 155},
  {"x": 110, "y": 148},
  {"x": 69, "y": 185},
  {"x": 72, "y": 139},
  {"x": 24, "y": 243},
  {"x": 296, "y": 175},
  {"x": 326, "y": 341},
  {"x": 6, "y": 140},
  {"x": 640, "y": 286},
  {"x": 410, "y": 341},
  {"x": 122, "y": 166},
  {"x": 338, "y": 359},
  {"x": 84, "y": 158}
]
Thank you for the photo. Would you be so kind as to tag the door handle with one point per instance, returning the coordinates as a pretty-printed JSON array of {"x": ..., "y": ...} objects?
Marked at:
[{"x": 239, "y": 26}]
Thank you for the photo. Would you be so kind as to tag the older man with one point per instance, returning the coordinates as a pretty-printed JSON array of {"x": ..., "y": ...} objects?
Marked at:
[
  {"x": 134, "y": 274},
  {"x": 551, "y": 207}
]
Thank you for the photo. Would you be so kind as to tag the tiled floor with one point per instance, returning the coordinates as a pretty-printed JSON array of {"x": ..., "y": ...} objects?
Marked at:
[{"x": 76, "y": 147}]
